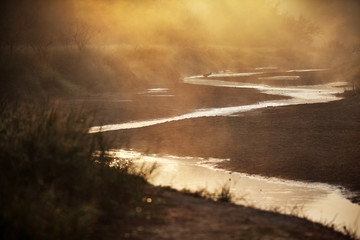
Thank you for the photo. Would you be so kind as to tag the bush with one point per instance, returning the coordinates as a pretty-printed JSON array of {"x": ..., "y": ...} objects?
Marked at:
[{"x": 51, "y": 185}]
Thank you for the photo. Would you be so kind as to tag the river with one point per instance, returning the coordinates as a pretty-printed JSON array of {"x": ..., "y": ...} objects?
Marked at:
[
  {"x": 298, "y": 95},
  {"x": 319, "y": 202}
]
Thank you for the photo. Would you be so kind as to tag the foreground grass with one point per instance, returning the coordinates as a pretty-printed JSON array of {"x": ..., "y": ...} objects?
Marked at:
[
  {"x": 223, "y": 194},
  {"x": 50, "y": 185}
]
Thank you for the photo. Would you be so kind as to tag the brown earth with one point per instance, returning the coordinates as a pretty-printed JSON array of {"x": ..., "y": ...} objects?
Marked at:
[{"x": 183, "y": 216}]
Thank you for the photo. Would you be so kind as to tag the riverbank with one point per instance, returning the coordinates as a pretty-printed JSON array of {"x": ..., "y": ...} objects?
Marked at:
[{"x": 184, "y": 216}]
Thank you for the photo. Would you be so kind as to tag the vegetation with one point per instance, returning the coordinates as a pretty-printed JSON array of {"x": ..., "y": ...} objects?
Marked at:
[
  {"x": 51, "y": 184},
  {"x": 222, "y": 195},
  {"x": 351, "y": 71}
]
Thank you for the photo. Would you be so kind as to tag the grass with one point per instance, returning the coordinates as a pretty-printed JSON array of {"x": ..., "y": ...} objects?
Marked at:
[
  {"x": 51, "y": 184},
  {"x": 223, "y": 194},
  {"x": 298, "y": 211}
]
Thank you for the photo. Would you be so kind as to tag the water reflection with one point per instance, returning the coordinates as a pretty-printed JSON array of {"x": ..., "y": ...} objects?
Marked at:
[
  {"x": 320, "y": 202},
  {"x": 301, "y": 94},
  {"x": 280, "y": 78},
  {"x": 298, "y": 95}
]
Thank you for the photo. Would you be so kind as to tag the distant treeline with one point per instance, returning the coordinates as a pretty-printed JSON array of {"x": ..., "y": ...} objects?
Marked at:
[{"x": 78, "y": 47}]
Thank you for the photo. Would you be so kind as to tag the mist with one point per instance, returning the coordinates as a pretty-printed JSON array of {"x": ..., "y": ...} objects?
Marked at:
[
  {"x": 300, "y": 25},
  {"x": 337, "y": 20},
  {"x": 169, "y": 39},
  {"x": 230, "y": 88},
  {"x": 194, "y": 23}
]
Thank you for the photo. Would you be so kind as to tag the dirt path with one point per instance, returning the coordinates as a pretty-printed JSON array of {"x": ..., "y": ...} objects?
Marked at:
[{"x": 187, "y": 217}]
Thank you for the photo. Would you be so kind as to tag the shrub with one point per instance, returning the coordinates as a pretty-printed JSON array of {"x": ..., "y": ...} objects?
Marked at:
[{"x": 50, "y": 185}]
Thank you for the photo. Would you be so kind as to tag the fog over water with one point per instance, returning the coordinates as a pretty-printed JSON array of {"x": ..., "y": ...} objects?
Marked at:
[{"x": 299, "y": 95}]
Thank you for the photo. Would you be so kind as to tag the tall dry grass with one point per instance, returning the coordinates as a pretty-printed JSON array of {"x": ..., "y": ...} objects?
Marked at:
[{"x": 52, "y": 186}]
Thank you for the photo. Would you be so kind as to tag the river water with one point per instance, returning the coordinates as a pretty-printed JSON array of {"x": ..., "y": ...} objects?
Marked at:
[
  {"x": 298, "y": 95},
  {"x": 319, "y": 202}
]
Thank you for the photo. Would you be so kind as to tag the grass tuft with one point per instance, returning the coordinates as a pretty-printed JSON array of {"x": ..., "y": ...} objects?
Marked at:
[{"x": 222, "y": 195}]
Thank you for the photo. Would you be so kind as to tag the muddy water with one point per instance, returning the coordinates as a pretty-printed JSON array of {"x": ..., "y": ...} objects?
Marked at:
[{"x": 317, "y": 201}]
